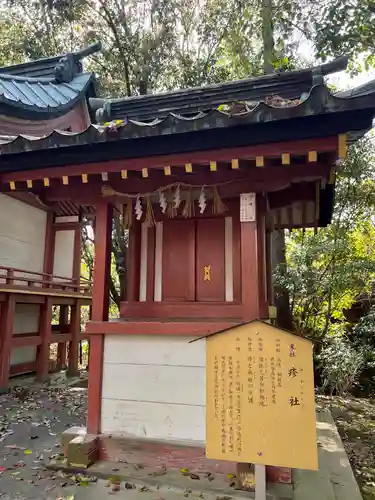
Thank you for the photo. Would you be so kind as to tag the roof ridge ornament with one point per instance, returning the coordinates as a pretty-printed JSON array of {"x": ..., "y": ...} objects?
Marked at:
[{"x": 70, "y": 64}]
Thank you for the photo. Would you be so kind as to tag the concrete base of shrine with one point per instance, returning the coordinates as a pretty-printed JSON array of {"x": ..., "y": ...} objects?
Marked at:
[
  {"x": 200, "y": 485},
  {"x": 169, "y": 455},
  {"x": 158, "y": 464}
]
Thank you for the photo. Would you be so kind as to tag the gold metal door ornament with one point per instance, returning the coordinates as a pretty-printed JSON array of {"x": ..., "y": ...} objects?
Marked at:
[{"x": 207, "y": 273}]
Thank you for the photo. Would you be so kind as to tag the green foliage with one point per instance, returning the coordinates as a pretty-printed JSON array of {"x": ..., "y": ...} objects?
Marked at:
[
  {"x": 340, "y": 365},
  {"x": 345, "y": 27},
  {"x": 328, "y": 272}
]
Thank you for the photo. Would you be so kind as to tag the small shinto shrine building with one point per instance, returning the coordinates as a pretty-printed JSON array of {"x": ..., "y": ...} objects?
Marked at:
[{"x": 201, "y": 177}]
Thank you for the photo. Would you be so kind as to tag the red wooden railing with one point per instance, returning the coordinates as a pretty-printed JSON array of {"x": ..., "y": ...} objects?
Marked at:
[{"x": 19, "y": 278}]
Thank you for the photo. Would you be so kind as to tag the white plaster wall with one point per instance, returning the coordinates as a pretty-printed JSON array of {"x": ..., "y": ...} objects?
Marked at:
[
  {"x": 64, "y": 253},
  {"x": 22, "y": 355},
  {"x": 22, "y": 235},
  {"x": 26, "y": 318},
  {"x": 154, "y": 387},
  {"x": 22, "y": 240}
]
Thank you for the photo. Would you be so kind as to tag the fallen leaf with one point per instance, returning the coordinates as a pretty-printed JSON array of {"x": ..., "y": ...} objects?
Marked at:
[{"x": 28, "y": 452}]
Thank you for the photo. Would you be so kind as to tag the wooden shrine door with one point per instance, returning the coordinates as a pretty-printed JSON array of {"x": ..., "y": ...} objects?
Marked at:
[
  {"x": 210, "y": 260},
  {"x": 193, "y": 260}
]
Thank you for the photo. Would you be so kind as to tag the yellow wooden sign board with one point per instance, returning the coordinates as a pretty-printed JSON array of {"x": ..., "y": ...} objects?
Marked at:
[{"x": 260, "y": 397}]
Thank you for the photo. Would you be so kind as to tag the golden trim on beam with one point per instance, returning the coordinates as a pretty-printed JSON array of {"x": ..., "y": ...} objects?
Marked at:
[
  {"x": 312, "y": 156},
  {"x": 65, "y": 180},
  {"x": 12, "y": 185},
  {"x": 144, "y": 172},
  {"x": 259, "y": 161},
  {"x": 235, "y": 163},
  {"x": 167, "y": 171},
  {"x": 188, "y": 168},
  {"x": 285, "y": 159},
  {"x": 29, "y": 184},
  {"x": 124, "y": 174},
  {"x": 343, "y": 146},
  {"x": 46, "y": 182},
  {"x": 84, "y": 178},
  {"x": 213, "y": 166},
  {"x": 104, "y": 176}
]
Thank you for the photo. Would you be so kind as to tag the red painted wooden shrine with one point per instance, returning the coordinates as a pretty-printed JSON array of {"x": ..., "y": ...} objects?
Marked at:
[{"x": 198, "y": 191}]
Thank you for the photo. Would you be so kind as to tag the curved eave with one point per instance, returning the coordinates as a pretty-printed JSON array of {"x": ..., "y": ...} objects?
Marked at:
[
  {"x": 319, "y": 102},
  {"x": 81, "y": 87}
]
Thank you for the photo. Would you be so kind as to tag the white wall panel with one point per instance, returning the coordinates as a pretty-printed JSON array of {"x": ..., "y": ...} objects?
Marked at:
[
  {"x": 22, "y": 235},
  {"x": 22, "y": 355},
  {"x": 64, "y": 253},
  {"x": 154, "y": 387},
  {"x": 181, "y": 423},
  {"x": 26, "y": 318},
  {"x": 156, "y": 350},
  {"x": 155, "y": 383}
]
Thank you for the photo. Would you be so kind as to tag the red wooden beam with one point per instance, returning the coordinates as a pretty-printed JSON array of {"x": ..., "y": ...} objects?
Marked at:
[
  {"x": 327, "y": 144},
  {"x": 250, "y": 271},
  {"x": 60, "y": 338},
  {"x": 100, "y": 311},
  {"x": 252, "y": 179},
  {"x": 75, "y": 326},
  {"x": 189, "y": 328},
  {"x": 49, "y": 245},
  {"x": 24, "y": 340},
  {"x": 181, "y": 310},
  {"x": 133, "y": 262},
  {"x": 6, "y": 332},
  {"x": 45, "y": 333},
  {"x": 61, "y": 346}
]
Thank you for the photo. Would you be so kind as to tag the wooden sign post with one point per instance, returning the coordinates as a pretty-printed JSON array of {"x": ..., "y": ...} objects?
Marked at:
[{"x": 260, "y": 405}]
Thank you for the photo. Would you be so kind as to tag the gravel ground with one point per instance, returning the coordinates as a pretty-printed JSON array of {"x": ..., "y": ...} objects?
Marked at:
[{"x": 31, "y": 421}]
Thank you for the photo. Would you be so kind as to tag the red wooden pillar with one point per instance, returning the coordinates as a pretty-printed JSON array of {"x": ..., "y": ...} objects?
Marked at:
[
  {"x": 6, "y": 333},
  {"x": 262, "y": 261},
  {"x": 45, "y": 334},
  {"x": 100, "y": 310},
  {"x": 61, "y": 347},
  {"x": 49, "y": 246},
  {"x": 249, "y": 270},
  {"x": 134, "y": 263},
  {"x": 74, "y": 330}
]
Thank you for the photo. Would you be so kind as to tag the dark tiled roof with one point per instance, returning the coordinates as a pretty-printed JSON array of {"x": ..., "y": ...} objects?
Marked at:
[
  {"x": 46, "y": 67},
  {"x": 287, "y": 85},
  {"x": 318, "y": 103},
  {"x": 45, "y": 88},
  {"x": 42, "y": 95}
]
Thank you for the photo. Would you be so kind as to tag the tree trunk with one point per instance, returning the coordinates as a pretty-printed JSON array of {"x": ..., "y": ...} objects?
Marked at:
[{"x": 267, "y": 36}]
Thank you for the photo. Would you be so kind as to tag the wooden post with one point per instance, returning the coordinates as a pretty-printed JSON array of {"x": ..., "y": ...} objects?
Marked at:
[
  {"x": 61, "y": 347},
  {"x": 260, "y": 482},
  {"x": 100, "y": 310},
  {"x": 262, "y": 263},
  {"x": 6, "y": 333},
  {"x": 74, "y": 330},
  {"x": 45, "y": 334},
  {"x": 249, "y": 262},
  {"x": 49, "y": 246},
  {"x": 133, "y": 263}
]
